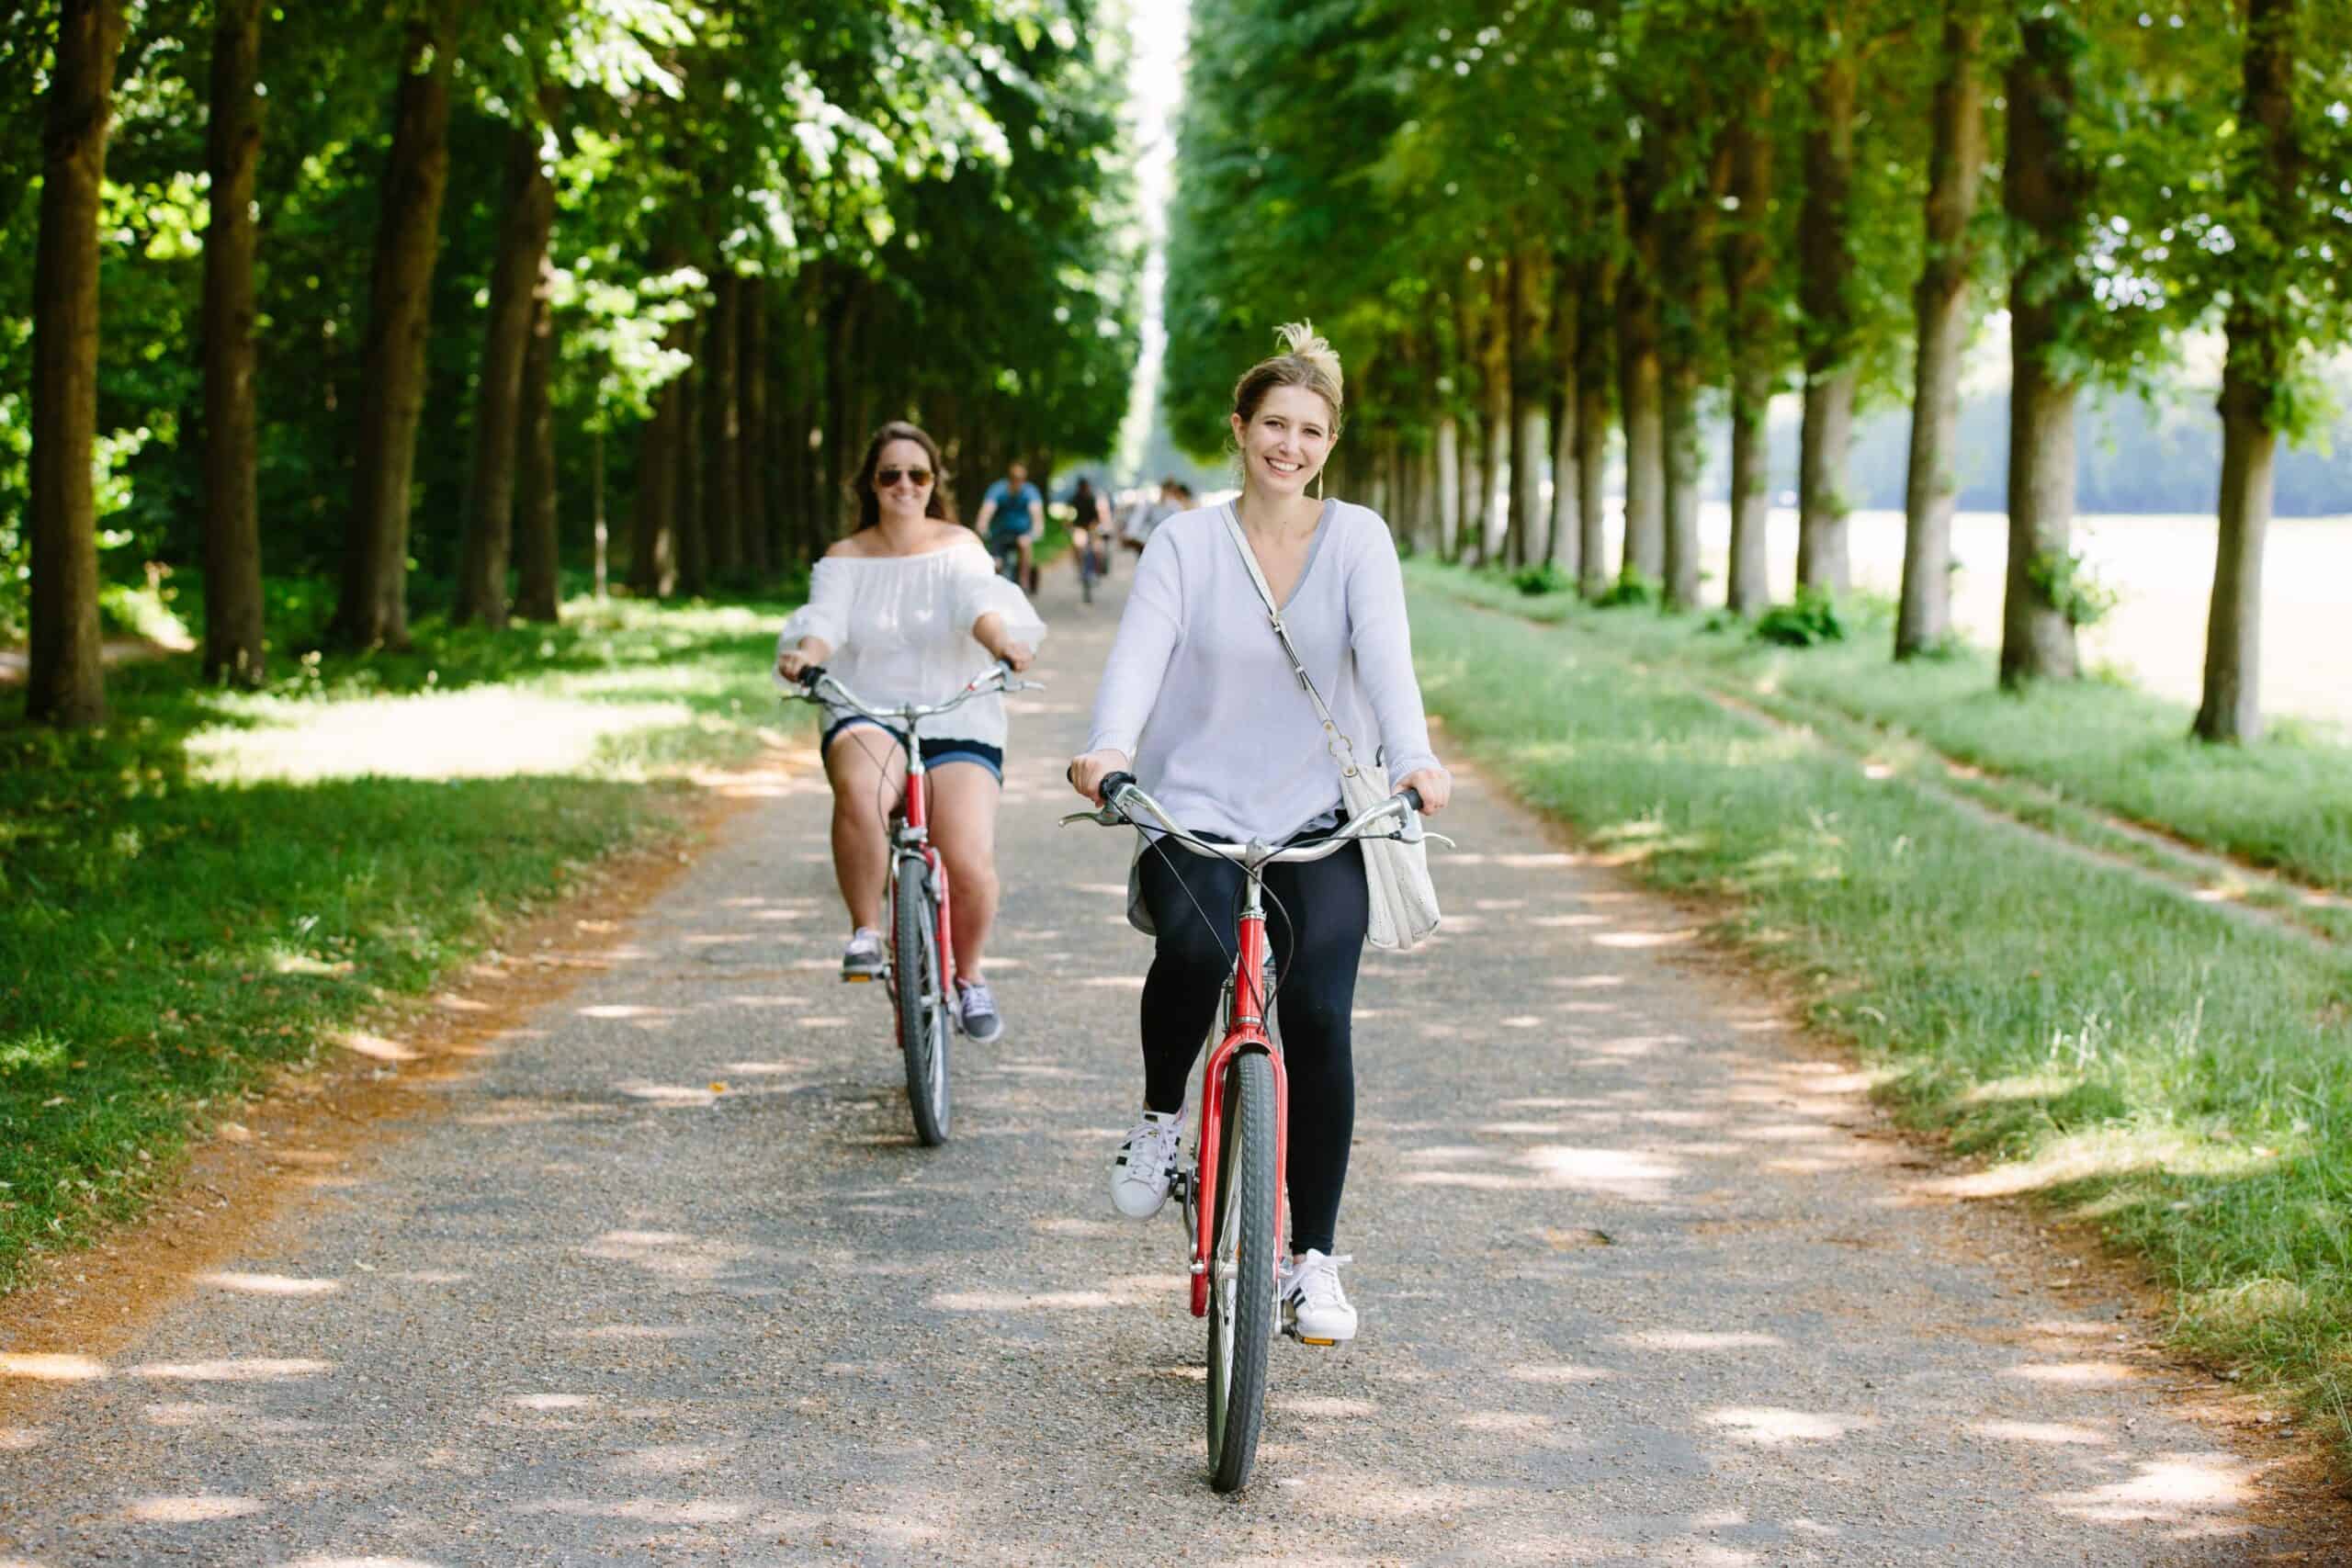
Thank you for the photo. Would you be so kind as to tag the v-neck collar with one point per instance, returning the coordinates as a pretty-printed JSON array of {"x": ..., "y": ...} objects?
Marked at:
[{"x": 1314, "y": 545}]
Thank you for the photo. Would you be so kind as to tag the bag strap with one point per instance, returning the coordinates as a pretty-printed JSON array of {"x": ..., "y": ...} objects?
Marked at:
[{"x": 1335, "y": 740}]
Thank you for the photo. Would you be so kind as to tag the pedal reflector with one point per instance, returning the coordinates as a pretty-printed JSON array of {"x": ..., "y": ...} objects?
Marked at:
[
  {"x": 1308, "y": 1339},
  {"x": 857, "y": 979}
]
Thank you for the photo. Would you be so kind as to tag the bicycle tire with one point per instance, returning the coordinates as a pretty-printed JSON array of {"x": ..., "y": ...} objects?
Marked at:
[
  {"x": 922, "y": 1011},
  {"x": 1241, "y": 1272}
]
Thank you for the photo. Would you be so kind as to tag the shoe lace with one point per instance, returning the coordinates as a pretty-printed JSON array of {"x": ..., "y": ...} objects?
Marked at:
[
  {"x": 1315, "y": 1280},
  {"x": 1152, "y": 1150},
  {"x": 977, "y": 997}
]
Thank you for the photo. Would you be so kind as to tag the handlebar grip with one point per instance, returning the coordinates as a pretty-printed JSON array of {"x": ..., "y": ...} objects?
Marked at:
[
  {"x": 1412, "y": 796},
  {"x": 1114, "y": 783},
  {"x": 810, "y": 676}
]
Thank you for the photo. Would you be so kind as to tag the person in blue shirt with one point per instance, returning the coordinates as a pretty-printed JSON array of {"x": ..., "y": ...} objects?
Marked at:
[{"x": 1011, "y": 514}]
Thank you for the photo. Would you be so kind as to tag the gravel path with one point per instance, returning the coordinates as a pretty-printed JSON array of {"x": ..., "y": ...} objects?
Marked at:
[{"x": 1641, "y": 1282}]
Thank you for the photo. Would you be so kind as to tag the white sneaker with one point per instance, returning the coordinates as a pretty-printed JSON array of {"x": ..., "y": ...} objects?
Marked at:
[
  {"x": 862, "y": 959},
  {"x": 1146, "y": 1163},
  {"x": 1314, "y": 1307}
]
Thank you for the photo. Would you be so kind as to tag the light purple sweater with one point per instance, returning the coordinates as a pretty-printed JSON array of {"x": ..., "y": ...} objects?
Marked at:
[{"x": 1198, "y": 693}]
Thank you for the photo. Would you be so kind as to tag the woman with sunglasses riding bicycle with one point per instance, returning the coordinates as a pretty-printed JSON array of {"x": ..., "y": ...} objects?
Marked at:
[
  {"x": 898, "y": 611},
  {"x": 1201, "y": 704}
]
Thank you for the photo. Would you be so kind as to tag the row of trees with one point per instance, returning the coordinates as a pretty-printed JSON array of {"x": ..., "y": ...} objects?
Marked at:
[
  {"x": 304, "y": 274},
  {"x": 1547, "y": 220}
]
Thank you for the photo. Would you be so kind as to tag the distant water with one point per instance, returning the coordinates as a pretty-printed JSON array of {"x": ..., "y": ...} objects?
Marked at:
[{"x": 2163, "y": 567}]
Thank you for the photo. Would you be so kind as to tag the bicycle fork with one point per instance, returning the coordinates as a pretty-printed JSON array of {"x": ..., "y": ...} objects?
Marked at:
[{"x": 1245, "y": 1030}]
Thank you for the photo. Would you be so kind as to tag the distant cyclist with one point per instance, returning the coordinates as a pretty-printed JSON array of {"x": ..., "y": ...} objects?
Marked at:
[
  {"x": 1200, "y": 703},
  {"x": 901, "y": 611},
  {"x": 1011, "y": 513},
  {"x": 1089, "y": 532}
]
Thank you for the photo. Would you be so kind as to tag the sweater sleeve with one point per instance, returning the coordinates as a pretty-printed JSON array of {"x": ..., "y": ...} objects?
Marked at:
[
  {"x": 1382, "y": 644},
  {"x": 1150, "y": 629}
]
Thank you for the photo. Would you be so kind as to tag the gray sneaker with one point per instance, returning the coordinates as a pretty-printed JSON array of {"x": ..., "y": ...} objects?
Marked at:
[{"x": 977, "y": 1009}]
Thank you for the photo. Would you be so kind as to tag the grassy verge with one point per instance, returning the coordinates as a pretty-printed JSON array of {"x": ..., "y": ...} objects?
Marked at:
[
  {"x": 2148, "y": 1065},
  {"x": 215, "y": 883},
  {"x": 2285, "y": 803}
]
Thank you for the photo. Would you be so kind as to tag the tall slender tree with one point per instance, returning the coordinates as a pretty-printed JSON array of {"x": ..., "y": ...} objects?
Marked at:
[
  {"x": 516, "y": 279},
  {"x": 234, "y": 646},
  {"x": 66, "y": 682},
  {"x": 373, "y": 609},
  {"x": 1955, "y": 172},
  {"x": 2046, "y": 189}
]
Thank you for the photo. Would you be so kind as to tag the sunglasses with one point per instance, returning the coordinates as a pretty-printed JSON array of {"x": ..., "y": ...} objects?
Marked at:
[{"x": 887, "y": 478}]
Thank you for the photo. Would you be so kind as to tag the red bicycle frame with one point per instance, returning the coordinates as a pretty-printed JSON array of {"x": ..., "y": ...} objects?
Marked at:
[
  {"x": 914, "y": 833},
  {"x": 1245, "y": 1030}
]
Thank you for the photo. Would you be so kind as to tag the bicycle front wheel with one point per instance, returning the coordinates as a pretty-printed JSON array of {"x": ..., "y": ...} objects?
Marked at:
[
  {"x": 922, "y": 1010},
  {"x": 1241, "y": 1271}
]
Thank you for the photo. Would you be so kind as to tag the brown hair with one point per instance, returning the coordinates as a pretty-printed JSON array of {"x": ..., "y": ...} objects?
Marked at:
[
  {"x": 1306, "y": 361},
  {"x": 861, "y": 488}
]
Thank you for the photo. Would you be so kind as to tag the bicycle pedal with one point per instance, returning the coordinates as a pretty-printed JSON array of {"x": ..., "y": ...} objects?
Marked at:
[{"x": 857, "y": 979}]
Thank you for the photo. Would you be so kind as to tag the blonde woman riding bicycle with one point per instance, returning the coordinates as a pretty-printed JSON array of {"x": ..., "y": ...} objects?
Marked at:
[{"x": 1201, "y": 704}]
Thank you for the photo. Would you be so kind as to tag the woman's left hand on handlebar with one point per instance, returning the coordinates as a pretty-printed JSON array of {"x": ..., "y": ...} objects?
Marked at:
[
  {"x": 1436, "y": 787},
  {"x": 1017, "y": 654}
]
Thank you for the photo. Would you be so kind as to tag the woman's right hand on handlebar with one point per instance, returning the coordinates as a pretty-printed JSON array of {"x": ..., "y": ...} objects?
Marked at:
[
  {"x": 1087, "y": 773},
  {"x": 795, "y": 662}
]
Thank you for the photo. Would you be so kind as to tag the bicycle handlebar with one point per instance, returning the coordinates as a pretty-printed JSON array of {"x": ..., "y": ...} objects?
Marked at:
[
  {"x": 997, "y": 677},
  {"x": 1392, "y": 817}
]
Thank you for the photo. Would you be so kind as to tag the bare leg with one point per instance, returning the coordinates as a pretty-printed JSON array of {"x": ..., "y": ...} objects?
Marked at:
[
  {"x": 963, "y": 824},
  {"x": 868, "y": 773}
]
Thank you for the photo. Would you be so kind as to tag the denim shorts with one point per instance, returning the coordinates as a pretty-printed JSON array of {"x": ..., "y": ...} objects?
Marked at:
[{"x": 937, "y": 753}]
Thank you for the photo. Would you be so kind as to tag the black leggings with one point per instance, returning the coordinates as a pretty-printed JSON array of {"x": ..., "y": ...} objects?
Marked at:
[{"x": 1314, "y": 1002}]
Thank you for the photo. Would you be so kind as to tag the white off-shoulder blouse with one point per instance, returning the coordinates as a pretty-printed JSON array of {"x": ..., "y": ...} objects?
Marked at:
[{"x": 900, "y": 628}]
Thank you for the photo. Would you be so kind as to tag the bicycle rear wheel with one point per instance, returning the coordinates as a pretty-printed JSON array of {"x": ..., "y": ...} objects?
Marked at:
[
  {"x": 922, "y": 1010},
  {"x": 1241, "y": 1271}
]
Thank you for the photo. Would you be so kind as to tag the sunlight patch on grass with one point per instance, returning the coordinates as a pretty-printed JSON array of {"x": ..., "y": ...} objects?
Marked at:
[
  {"x": 2109, "y": 1153},
  {"x": 487, "y": 732}
]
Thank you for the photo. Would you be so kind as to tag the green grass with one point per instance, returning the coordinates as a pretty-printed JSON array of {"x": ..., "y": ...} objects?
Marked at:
[
  {"x": 2283, "y": 802},
  {"x": 2153, "y": 1065},
  {"x": 216, "y": 883}
]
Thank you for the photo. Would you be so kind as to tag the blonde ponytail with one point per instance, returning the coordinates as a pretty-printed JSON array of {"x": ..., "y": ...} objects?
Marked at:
[{"x": 1307, "y": 360}]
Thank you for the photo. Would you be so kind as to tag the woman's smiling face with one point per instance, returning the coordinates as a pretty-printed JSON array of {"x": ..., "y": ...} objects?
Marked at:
[
  {"x": 1285, "y": 442},
  {"x": 905, "y": 499}
]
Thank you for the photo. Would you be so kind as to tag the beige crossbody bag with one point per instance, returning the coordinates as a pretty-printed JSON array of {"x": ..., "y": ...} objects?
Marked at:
[{"x": 1397, "y": 871}]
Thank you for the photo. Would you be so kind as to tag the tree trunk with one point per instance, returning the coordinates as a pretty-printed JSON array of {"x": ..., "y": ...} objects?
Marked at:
[
  {"x": 1529, "y": 526},
  {"x": 1826, "y": 255},
  {"x": 2044, "y": 185},
  {"x": 1955, "y": 170},
  {"x": 1495, "y": 456},
  {"x": 2262, "y": 347},
  {"x": 723, "y": 430},
  {"x": 596, "y": 505},
  {"x": 1748, "y": 255},
  {"x": 233, "y": 653},
  {"x": 751, "y": 447},
  {"x": 1449, "y": 486},
  {"x": 373, "y": 610},
  {"x": 516, "y": 281},
  {"x": 1562, "y": 537},
  {"x": 694, "y": 466},
  {"x": 653, "y": 545},
  {"x": 842, "y": 446},
  {"x": 65, "y": 684},
  {"x": 1471, "y": 507},
  {"x": 1596, "y": 290},
  {"x": 538, "y": 594},
  {"x": 1640, "y": 387},
  {"x": 1688, "y": 236}
]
